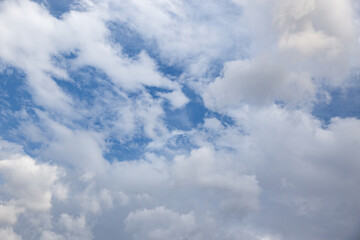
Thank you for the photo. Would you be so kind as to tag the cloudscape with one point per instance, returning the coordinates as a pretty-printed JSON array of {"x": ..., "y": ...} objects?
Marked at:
[{"x": 179, "y": 119}]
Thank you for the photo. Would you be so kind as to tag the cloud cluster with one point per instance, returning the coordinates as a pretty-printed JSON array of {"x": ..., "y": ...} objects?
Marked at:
[
  {"x": 28, "y": 188},
  {"x": 33, "y": 38},
  {"x": 298, "y": 48},
  {"x": 93, "y": 154}
]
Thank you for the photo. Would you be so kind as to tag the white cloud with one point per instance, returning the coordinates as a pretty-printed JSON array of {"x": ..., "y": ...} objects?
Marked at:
[
  {"x": 27, "y": 183},
  {"x": 76, "y": 226},
  {"x": 71, "y": 228},
  {"x": 257, "y": 82},
  {"x": 9, "y": 213},
  {"x": 177, "y": 99},
  {"x": 8, "y": 233},
  {"x": 31, "y": 38},
  {"x": 185, "y": 33},
  {"x": 220, "y": 174},
  {"x": 310, "y": 41},
  {"x": 294, "y": 52},
  {"x": 48, "y": 235},
  {"x": 28, "y": 189},
  {"x": 315, "y": 162},
  {"x": 161, "y": 223}
]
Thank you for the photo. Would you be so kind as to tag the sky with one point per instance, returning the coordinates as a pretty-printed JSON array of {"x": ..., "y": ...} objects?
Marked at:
[{"x": 179, "y": 119}]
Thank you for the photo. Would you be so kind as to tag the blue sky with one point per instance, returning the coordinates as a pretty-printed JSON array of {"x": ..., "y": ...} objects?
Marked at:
[{"x": 169, "y": 119}]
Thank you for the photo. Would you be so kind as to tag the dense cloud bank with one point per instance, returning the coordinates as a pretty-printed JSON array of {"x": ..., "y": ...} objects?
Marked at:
[{"x": 169, "y": 119}]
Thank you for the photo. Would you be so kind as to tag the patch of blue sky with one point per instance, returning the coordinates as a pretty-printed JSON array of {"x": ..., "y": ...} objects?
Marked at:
[
  {"x": 190, "y": 116},
  {"x": 89, "y": 88},
  {"x": 56, "y": 7},
  {"x": 187, "y": 117},
  {"x": 16, "y": 106},
  {"x": 345, "y": 102},
  {"x": 12, "y": 89},
  {"x": 132, "y": 44},
  {"x": 126, "y": 151},
  {"x": 85, "y": 84},
  {"x": 130, "y": 41},
  {"x": 13, "y": 98}
]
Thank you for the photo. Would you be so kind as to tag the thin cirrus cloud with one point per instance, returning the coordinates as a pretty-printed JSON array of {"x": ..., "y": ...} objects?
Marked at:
[{"x": 179, "y": 119}]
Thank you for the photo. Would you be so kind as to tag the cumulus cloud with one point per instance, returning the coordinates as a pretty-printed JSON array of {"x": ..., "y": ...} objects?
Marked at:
[
  {"x": 244, "y": 83},
  {"x": 28, "y": 184},
  {"x": 8, "y": 233},
  {"x": 161, "y": 223},
  {"x": 28, "y": 188},
  {"x": 238, "y": 193},
  {"x": 74, "y": 228},
  {"x": 290, "y": 61},
  {"x": 303, "y": 166},
  {"x": 9, "y": 213}
]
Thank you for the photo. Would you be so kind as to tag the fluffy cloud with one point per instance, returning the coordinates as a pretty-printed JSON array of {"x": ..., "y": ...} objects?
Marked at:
[
  {"x": 83, "y": 33},
  {"x": 244, "y": 83},
  {"x": 290, "y": 61},
  {"x": 8, "y": 233},
  {"x": 189, "y": 33},
  {"x": 28, "y": 188},
  {"x": 303, "y": 167},
  {"x": 221, "y": 177},
  {"x": 9, "y": 213},
  {"x": 31, "y": 38},
  {"x": 71, "y": 228},
  {"x": 161, "y": 223},
  {"x": 29, "y": 185}
]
